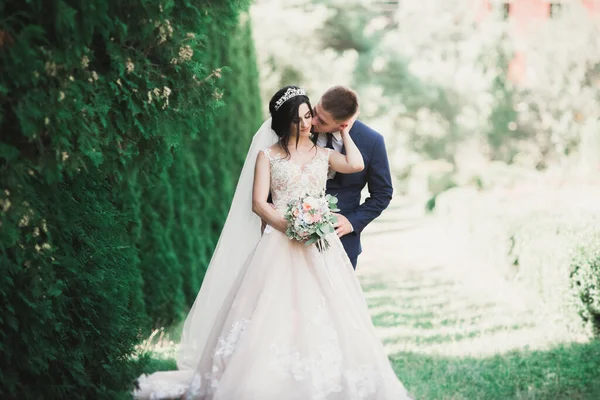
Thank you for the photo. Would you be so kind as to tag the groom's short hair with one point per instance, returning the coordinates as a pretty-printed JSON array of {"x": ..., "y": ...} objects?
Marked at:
[{"x": 341, "y": 102}]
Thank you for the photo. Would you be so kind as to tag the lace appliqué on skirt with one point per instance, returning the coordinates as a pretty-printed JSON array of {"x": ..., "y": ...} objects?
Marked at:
[
  {"x": 226, "y": 346},
  {"x": 325, "y": 370}
]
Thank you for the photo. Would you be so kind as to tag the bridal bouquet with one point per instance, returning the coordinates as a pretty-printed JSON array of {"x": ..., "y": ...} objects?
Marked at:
[{"x": 311, "y": 219}]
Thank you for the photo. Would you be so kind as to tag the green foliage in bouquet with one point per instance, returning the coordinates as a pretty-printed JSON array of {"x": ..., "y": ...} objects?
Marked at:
[{"x": 113, "y": 178}]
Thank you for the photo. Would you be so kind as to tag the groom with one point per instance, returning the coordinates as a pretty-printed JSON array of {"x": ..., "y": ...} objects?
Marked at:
[{"x": 336, "y": 110}]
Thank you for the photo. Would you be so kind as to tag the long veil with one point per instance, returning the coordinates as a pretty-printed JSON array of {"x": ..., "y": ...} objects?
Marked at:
[{"x": 239, "y": 237}]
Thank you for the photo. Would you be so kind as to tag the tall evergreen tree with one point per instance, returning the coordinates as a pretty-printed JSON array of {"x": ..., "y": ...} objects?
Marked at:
[{"x": 99, "y": 101}]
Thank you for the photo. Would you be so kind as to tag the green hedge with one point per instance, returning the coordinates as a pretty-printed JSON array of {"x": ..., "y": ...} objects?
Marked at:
[
  {"x": 114, "y": 179},
  {"x": 184, "y": 213},
  {"x": 585, "y": 278},
  {"x": 557, "y": 256},
  {"x": 553, "y": 250}
]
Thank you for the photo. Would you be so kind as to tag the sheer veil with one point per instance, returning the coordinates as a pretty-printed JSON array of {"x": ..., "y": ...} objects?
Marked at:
[{"x": 238, "y": 239}]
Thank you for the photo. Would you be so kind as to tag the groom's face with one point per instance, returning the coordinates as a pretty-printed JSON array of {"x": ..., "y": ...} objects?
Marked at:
[{"x": 322, "y": 121}]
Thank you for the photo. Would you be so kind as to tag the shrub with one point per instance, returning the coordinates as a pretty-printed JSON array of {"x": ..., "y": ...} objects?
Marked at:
[
  {"x": 585, "y": 279},
  {"x": 106, "y": 110},
  {"x": 552, "y": 250}
]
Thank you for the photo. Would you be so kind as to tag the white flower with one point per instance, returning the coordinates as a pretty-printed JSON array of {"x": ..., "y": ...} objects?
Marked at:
[
  {"x": 24, "y": 221},
  {"x": 94, "y": 77},
  {"x": 129, "y": 65},
  {"x": 313, "y": 202},
  {"x": 165, "y": 31},
  {"x": 51, "y": 68},
  {"x": 307, "y": 218},
  {"x": 185, "y": 53},
  {"x": 6, "y": 205},
  {"x": 61, "y": 96},
  {"x": 85, "y": 61}
]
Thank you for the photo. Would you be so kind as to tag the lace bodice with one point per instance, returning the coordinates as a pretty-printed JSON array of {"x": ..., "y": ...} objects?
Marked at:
[{"x": 290, "y": 180}]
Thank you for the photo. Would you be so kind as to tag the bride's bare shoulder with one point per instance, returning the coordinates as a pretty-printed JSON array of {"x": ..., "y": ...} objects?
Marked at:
[
  {"x": 274, "y": 151},
  {"x": 322, "y": 150}
]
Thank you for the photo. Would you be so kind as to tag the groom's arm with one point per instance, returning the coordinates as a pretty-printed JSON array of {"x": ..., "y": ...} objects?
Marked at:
[{"x": 379, "y": 183}]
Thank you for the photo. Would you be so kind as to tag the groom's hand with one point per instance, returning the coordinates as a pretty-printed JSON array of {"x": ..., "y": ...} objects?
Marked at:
[{"x": 342, "y": 226}]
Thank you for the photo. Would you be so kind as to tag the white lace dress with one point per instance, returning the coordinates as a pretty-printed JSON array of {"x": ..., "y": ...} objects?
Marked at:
[{"x": 296, "y": 326}]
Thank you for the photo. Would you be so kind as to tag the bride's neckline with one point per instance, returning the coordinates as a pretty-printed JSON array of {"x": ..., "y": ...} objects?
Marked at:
[
  {"x": 302, "y": 166},
  {"x": 281, "y": 157}
]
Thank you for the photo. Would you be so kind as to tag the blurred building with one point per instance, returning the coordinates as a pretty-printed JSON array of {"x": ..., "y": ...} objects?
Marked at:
[{"x": 526, "y": 17}]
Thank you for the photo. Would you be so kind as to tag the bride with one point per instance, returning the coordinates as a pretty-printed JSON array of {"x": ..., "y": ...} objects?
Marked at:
[{"x": 276, "y": 319}]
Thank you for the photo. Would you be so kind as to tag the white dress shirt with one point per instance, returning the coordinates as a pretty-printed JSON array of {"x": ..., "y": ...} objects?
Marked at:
[{"x": 336, "y": 141}]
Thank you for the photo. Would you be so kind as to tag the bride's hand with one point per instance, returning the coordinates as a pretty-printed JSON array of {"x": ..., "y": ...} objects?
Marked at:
[{"x": 346, "y": 130}]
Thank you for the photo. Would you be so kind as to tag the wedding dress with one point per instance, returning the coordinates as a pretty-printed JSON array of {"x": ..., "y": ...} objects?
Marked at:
[{"x": 294, "y": 324}]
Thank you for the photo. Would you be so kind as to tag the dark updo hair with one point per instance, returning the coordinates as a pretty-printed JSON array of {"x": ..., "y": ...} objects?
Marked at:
[{"x": 287, "y": 114}]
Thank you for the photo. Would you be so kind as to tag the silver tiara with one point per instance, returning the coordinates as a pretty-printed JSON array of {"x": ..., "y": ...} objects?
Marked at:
[{"x": 291, "y": 92}]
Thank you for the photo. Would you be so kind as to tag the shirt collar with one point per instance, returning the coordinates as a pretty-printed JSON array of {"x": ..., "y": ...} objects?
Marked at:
[{"x": 337, "y": 135}]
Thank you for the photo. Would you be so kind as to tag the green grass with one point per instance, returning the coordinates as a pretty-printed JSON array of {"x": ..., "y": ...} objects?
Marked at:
[
  {"x": 565, "y": 372},
  {"x": 437, "y": 335},
  {"x": 158, "y": 351}
]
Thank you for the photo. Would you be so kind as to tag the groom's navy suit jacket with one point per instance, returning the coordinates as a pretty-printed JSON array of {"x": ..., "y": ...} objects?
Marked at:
[{"x": 348, "y": 187}]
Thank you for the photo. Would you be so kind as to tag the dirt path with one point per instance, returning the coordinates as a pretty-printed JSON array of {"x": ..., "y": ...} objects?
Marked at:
[{"x": 428, "y": 296}]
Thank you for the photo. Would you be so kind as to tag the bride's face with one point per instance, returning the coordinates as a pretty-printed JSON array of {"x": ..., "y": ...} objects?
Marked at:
[{"x": 304, "y": 120}]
